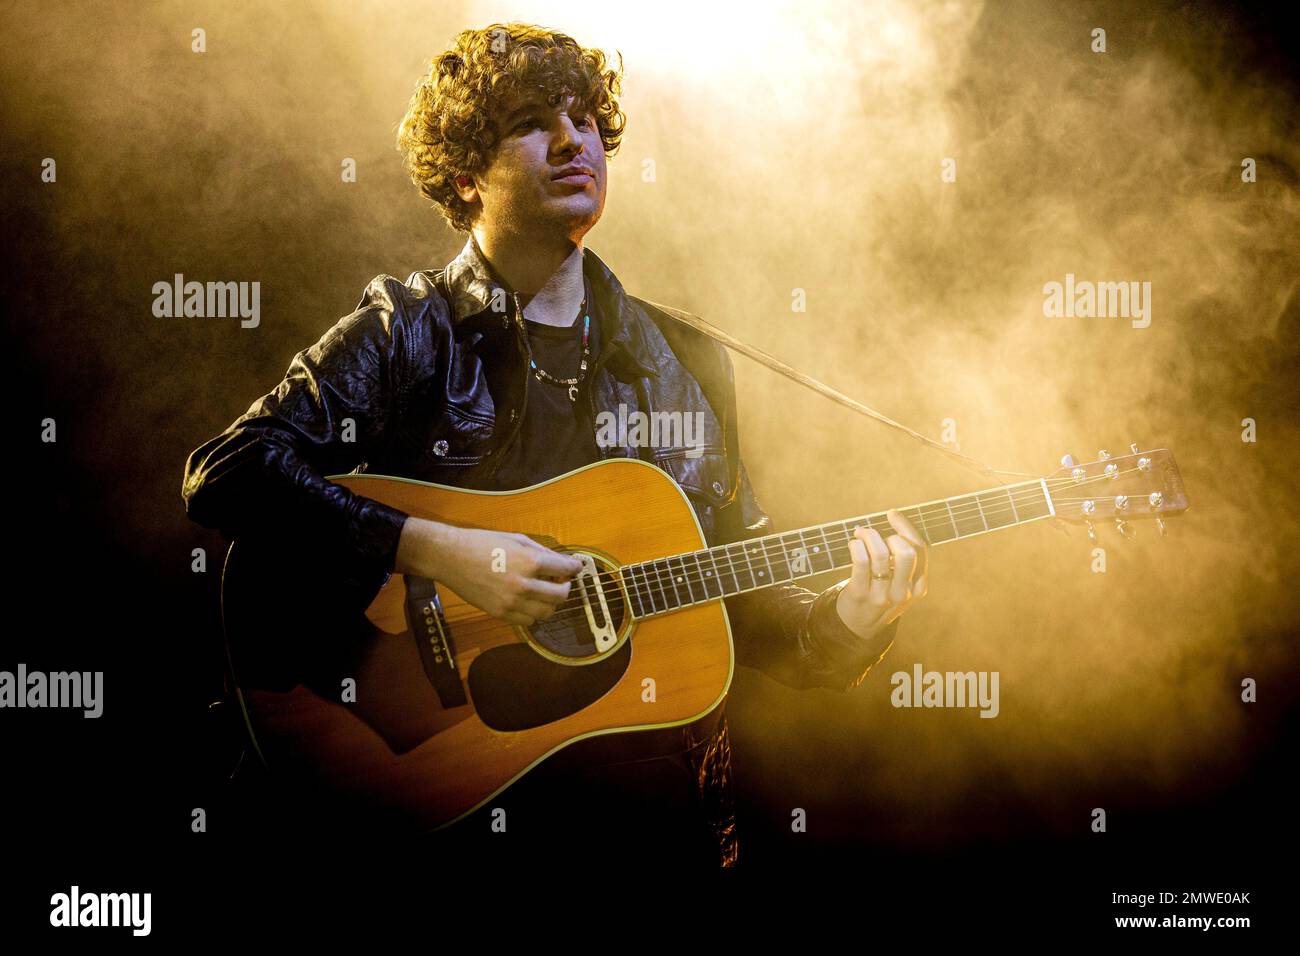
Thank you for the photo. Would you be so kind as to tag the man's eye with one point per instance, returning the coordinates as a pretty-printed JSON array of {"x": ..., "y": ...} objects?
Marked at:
[
  {"x": 583, "y": 121},
  {"x": 531, "y": 121}
]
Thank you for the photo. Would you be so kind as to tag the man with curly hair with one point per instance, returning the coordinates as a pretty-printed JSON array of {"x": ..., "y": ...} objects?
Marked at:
[{"x": 489, "y": 374}]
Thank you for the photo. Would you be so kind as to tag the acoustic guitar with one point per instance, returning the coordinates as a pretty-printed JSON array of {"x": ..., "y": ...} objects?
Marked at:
[{"x": 423, "y": 709}]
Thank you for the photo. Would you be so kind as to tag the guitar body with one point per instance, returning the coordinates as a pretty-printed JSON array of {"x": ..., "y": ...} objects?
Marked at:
[{"x": 421, "y": 710}]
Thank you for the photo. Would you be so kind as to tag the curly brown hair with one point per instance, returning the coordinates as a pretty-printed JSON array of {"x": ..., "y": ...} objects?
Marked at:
[{"x": 449, "y": 128}]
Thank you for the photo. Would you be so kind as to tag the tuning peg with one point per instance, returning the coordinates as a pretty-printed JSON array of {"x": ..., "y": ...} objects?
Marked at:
[
  {"x": 1123, "y": 529},
  {"x": 1134, "y": 447},
  {"x": 1092, "y": 532},
  {"x": 1067, "y": 461},
  {"x": 1103, "y": 455}
]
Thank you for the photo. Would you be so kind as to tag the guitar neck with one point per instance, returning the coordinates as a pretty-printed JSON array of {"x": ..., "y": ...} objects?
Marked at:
[{"x": 683, "y": 580}]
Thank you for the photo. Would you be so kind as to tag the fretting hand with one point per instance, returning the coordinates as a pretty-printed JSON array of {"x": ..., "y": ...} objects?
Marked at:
[{"x": 888, "y": 575}]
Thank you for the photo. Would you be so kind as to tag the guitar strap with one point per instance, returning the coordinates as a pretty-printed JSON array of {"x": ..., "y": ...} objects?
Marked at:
[{"x": 758, "y": 355}]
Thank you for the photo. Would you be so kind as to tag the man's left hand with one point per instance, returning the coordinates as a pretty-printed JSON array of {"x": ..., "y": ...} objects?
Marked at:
[{"x": 888, "y": 575}]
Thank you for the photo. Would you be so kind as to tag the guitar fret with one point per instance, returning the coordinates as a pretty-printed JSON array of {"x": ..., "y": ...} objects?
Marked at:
[
  {"x": 951, "y": 519},
  {"x": 680, "y": 577},
  {"x": 1033, "y": 503},
  {"x": 727, "y": 572},
  {"x": 636, "y": 587},
  {"x": 709, "y": 575},
  {"x": 772, "y": 574},
  {"x": 783, "y": 557},
  {"x": 925, "y": 530},
  {"x": 741, "y": 564},
  {"x": 652, "y": 590},
  {"x": 1037, "y": 507},
  {"x": 935, "y": 532},
  {"x": 666, "y": 574},
  {"x": 804, "y": 564},
  {"x": 760, "y": 548},
  {"x": 801, "y": 564},
  {"x": 672, "y": 576},
  {"x": 633, "y": 591},
  {"x": 864, "y": 522},
  {"x": 846, "y": 530},
  {"x": 797, "y": 565},
  {"x": 829, "y": 551},
  {"x": 992, "y": 515},
  {"x": 657, "y": 586},
  {"x": 695, "y": 575},
  {"x": 974, "y": 523}
]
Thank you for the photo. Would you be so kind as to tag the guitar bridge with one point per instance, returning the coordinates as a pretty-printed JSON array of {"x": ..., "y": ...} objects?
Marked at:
[
  {"x": 428, "y": 624},
  {"x": 588, "y": 583}
]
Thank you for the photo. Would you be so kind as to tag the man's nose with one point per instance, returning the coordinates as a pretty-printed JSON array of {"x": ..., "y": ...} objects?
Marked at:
[{"x": 570, "y": 136}]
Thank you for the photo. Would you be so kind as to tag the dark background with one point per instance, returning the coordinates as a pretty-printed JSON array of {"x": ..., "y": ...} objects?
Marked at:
[{"x": 99, "y": 572}]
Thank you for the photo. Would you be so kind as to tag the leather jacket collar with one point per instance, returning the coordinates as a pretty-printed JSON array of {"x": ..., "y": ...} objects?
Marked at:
[{"x": 471, "y": 284}]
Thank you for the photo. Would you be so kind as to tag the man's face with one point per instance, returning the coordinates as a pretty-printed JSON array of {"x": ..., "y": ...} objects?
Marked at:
[{"x": 520, "y": 190}]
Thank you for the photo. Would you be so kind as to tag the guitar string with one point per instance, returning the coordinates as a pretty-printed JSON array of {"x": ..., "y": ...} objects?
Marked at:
[
  {"x": 1025, "y": 491},
  {"x": 647, "y": 591},
  {"x": 572, "y": 608},
  {"x": 839, "y": 552}
]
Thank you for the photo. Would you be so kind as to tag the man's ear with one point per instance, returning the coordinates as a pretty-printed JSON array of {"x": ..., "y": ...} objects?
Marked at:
[{"x": 466, "y": 189}]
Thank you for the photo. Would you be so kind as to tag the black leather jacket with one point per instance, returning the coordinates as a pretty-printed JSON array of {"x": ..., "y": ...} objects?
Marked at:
[{"x": 434, "y": 379}]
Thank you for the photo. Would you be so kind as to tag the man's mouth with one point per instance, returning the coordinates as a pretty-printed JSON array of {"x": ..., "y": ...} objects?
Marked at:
[{"x": 574, "y": 176}]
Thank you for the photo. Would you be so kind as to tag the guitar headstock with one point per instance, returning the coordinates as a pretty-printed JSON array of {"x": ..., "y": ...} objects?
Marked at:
[{"x": 1143, "y": 484}]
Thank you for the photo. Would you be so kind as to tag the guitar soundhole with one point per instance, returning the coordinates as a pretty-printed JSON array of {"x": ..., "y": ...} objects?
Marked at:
[{"x": 568, "y": 632}]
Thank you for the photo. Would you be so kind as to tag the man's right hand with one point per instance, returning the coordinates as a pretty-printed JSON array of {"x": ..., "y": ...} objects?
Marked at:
[{"x": 500, "y": 573}]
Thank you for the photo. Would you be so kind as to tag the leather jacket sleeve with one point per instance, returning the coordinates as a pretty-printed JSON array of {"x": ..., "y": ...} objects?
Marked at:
[{"x": 264, "y": 475}]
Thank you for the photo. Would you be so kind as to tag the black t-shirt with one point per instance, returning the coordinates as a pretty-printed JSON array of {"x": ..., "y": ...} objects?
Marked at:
[{"x": 556, "y": 435}]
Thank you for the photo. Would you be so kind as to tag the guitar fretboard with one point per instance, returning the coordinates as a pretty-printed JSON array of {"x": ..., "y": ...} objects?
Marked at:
[{"x": 682, "y": 580}]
